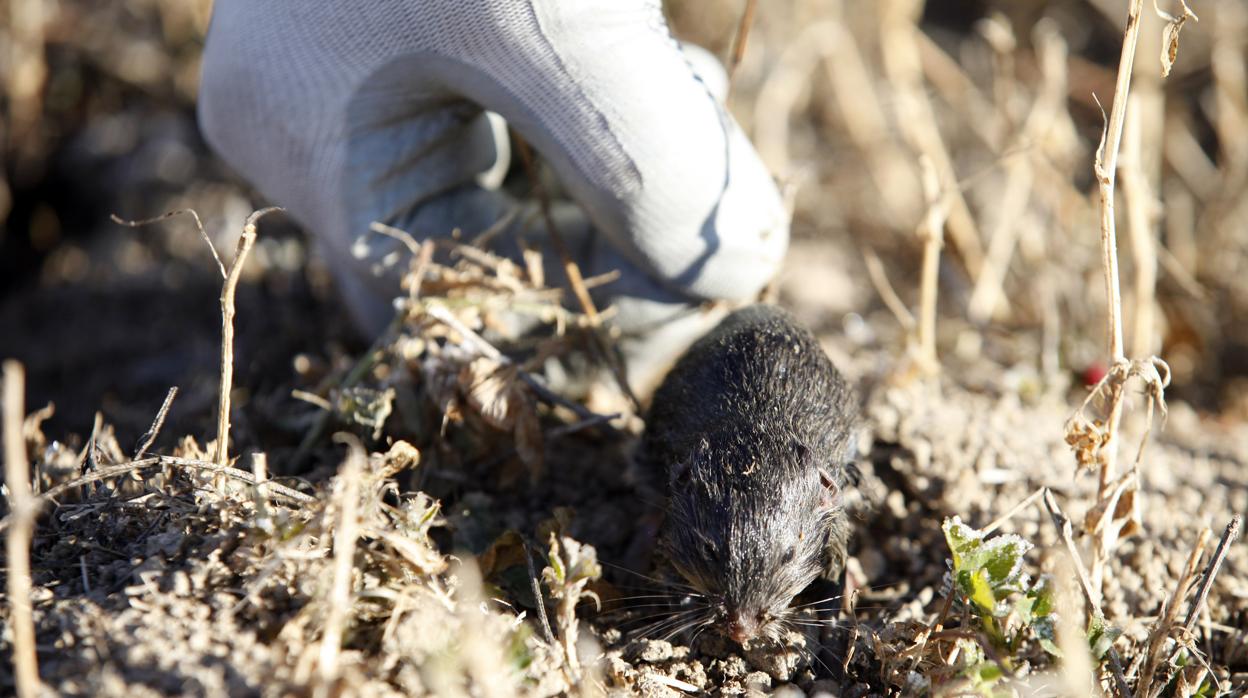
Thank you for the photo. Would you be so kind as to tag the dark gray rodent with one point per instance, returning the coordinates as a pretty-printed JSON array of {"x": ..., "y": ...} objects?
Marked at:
[{"x": 755, "y": 427}]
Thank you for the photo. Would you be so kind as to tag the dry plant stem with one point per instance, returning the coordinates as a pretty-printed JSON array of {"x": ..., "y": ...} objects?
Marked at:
[
  {"x": 1105, "y": 169},
  {"x": 879, "y": 279},
  {"x": 739, "y": 41},
  {"x": 26, "y": 68},
  {"x": 1014, "y": 510},
  {"x": 1229, "y": 536},
  {"x": 918, "y": 122},
  {"x": 245, "y": 243},
  {"x": 1161, "y": 630},
  {"x": 488, "y": 350},
  {"x": 22, "y": 508},
  {"x": 1062, "y": 522},
  {"x": 573, "y": 273},
  {"x": 145, "y": 441},
  {"x": 346, "y": 534},
  {"x": 932, "y": 234},
  {"x": 857, "y": 96},
  {"x": 112, "y": 471},
  {"x": 199, "y": 225},
  {"x": 538, "y": 597},
  {"x": 1140, "y": 207}
]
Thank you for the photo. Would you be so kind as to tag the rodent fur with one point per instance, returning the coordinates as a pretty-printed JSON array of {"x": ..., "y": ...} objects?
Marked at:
[{"x": 755, "y": 426}]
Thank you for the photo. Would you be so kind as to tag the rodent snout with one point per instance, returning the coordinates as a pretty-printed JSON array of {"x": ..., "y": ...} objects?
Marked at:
[{"x": 742, "y": 627}]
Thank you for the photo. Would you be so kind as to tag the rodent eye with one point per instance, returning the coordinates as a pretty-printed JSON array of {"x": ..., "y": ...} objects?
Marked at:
[{"x": 788, "y": 555}]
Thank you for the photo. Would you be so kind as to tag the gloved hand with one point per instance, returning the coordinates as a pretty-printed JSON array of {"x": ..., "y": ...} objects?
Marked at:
[{"x": 352, "y": 112}]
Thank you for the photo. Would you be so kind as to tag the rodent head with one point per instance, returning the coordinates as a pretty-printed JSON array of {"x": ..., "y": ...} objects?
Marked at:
[{"x": 750, "y": 535}]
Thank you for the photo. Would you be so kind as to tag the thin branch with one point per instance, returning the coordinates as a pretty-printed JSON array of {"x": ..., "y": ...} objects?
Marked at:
[
  {"x": 1215, "y": 564},
  {"x": 1014, "y": 510},
  {"x": 1062, "y": 522},
  {"x": 739, "y": 41},
  {"x": 17, "y": 544},
  {"x": 112, "y": 471},
  {"x": 199, "y": 225},
  {"x": 245, "y": 243},
  {"x": 933, "y": 236},
  {"x": 1170, "y": 612},
  {"x": 145, "y": 441},
  {"x": 573, "y": 274},
  {"x": 1105, "y": 168},
  {"x": 538, "y": 597},
  {"x": 446, "y": 317},
  {"x": 879, "y": 279},
  {"x": 346, "y": 535}
]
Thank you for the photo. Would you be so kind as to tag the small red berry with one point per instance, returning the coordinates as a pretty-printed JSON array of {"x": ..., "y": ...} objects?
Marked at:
[{"x": 1094, "y": 373}]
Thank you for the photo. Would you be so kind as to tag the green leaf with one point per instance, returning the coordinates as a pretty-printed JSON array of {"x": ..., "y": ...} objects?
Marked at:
[
  {"x": 975, "y": 587},
  {"x": 1003, "y": 559},
  {"x": 1042, "y": 592},
  {"x": 962, "y": 539},
  {"x": 1101, "y": 636}
]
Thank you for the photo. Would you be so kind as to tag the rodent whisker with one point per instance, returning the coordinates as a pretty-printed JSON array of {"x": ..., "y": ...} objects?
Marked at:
[
  {"x": 670, "y": 597},
  {"x": 679, "y": 620},
  {"x": 685, "y": 627},
  {"x": 663, "y": 583},
  {"x": 809, "y": 651},
  {"x": 838, "y": 597},
  {"x": 663, "y": 616}
]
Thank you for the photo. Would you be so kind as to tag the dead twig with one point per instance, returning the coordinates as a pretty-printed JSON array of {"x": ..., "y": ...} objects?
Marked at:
[
  {"x": 199, "y": 225},
  {"x": 22, "y": 509},
  {"x": 245, "y": 243},
  {"x": 740, "y": 39},
  {"x": 1229, "y": 536},
  {"x": 1031, "y": 498},
  {"x": 879, "y": 279},
  {"x": 346, "y": 534},
  {"x": 146, "y": 440},
  {"x": 1062, "y": 522},
  {"x": 446, "y": 317},
  {"x": 931, "y": 232},
  {"x": 575, "y": 280},
  {"x": 538, "y": 597},
  {"x": 1170, "y": 612},
  {"x": 112, "y": 471}
]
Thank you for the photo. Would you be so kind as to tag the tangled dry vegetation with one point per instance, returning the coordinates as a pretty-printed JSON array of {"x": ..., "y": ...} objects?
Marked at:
[{"x": 1053, "y": 468}]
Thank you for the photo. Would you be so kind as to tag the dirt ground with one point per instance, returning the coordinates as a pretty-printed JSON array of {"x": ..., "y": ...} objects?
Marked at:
[{"x": 403, "y": 557}]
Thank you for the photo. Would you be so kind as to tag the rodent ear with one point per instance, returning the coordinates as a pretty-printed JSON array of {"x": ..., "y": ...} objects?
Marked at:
[{"x": 831, "y": 498}]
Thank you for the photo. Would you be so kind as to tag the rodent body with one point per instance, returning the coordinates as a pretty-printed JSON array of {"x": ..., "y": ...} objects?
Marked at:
[{"x": 754, "y": 425}]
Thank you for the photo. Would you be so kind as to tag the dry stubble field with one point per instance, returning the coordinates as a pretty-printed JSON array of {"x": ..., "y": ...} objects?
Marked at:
[{"x": 403, "y": 558}]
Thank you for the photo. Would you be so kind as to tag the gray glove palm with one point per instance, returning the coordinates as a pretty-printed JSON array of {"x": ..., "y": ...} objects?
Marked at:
[{"x": 352, "y": 112}]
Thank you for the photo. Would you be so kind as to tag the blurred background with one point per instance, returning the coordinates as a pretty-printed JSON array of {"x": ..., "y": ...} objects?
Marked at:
[{"x": 843, "y": 99}]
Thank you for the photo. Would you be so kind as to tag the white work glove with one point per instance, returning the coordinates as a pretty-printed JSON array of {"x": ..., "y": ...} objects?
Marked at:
[{"x": 348, "y": 113}]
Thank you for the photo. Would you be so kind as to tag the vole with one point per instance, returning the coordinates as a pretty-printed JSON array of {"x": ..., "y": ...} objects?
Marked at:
[{"x": 754, "y": 426}]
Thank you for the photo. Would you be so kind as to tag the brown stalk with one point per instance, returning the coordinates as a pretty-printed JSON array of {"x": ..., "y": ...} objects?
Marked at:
[
  {"x": 916, "y": 118},
  {"x": 22, "y": 511},
  {"x": 573, "y": 273},
  {"x": 1065, "y": 530},
  {"x": 1170, "y": 612},
  {"x": 1229, "y": 536},
  {"x": 346, "y": 535},
  {"x": 1105, "y": 168},
  {"x": 112, "y": 471},
  {"x": 932, "y": 234},
  {"x": 1140, "y": 217},
  {"x": 740, "y": 39},
  {"x": 245, "y": 243}
]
